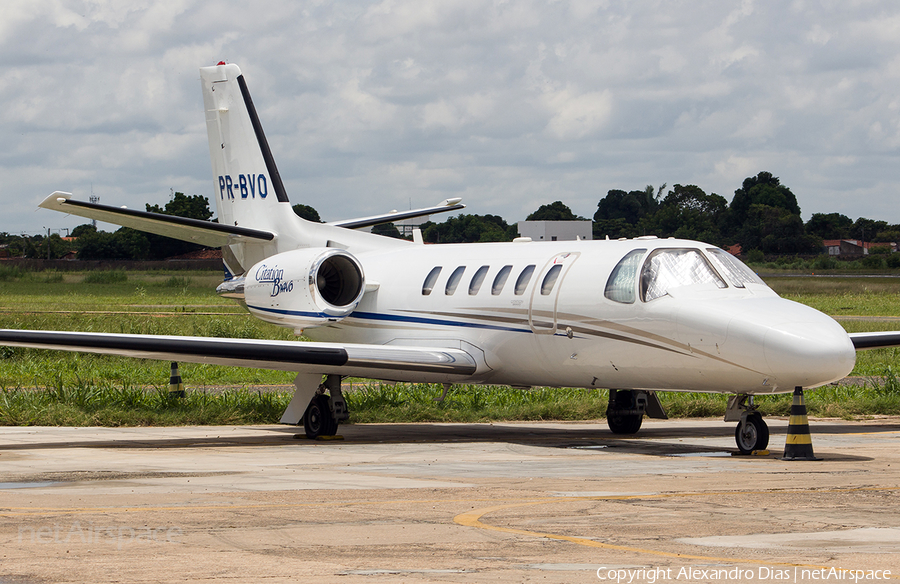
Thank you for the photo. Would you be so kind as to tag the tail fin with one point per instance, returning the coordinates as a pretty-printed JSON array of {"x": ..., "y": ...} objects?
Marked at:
[
  {"x": 248, "y": 188},
  {"x": 248, "y": 185}
]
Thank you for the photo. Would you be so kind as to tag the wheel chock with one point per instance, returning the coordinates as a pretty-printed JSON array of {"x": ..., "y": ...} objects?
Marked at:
[
  {"x": 798, "y": 443},
  {"x": 328, "y": 438}
]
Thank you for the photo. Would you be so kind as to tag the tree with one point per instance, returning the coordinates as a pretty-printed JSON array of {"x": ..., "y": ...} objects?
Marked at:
[
  {"x": 689, "y": 213},
  {"x": 763, "y": 189},
  {"x": 83, "y": 229},
  {"x": 131, "y": 244},
  {"x": 58, "y": 247},
  {"x": 619, "y": 214},
  {"x": 867, "y": 229},
  {"x": 387, "y": 229},
  {"x": 776, "y": 230},
  {"x": 468, "y": 229},
  {"x": 103, "y": 245},
  {"x": 829, "y": 226},
  {"x": 160, "y": 247},
  {"x": 628, "y": 206},
  {"x": 555, "y": 211},
  {"x": 306, "y": 212},
  {"x": 181, "y": 205},
  {"x": 764, "y": 214}
]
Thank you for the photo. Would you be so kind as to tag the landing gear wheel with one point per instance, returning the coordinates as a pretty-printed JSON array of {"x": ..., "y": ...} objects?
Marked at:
[
  {"x": 318, "y": 421},
  {"x": 752, "y": 434},
  {"x": 624, "y": 423}
]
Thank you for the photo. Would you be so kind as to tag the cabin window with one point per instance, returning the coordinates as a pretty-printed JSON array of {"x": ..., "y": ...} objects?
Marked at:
[
  {"x": 550, "y": 280},
  {"x": 667, "y": 269},
  {"x": 500, "y": 280},
  {"x": 430, "y": 279},
  {"x": 523, "y": 279},
  {"x": 733, "y": 268},
  {"x": 453, "y": 280},
  {"x": 477, "y": 280},
  {"x": 621, "y": 283}
]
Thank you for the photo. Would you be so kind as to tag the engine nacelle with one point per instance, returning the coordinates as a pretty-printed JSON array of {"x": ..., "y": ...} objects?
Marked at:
[{"x": 305, "y": 288}]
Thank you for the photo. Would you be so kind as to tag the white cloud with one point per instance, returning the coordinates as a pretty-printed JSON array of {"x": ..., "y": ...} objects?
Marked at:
[{"x": 512, "y": 104}]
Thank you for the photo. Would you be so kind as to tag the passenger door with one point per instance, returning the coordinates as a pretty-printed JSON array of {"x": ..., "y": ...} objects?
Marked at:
[{"x": 545, "y": 292}]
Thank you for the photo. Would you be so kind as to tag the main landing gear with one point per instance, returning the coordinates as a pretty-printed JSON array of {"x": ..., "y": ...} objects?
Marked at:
[
  {"x": 627, "y": 408},
  {"x": 325, "y": 412},
  {"x": 751, "y": 433}
]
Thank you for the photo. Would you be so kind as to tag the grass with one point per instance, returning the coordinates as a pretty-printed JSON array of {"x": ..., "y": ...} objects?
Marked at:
[
  {"x": 57, "y": 388},
  {"x": 108, "y": 405}
]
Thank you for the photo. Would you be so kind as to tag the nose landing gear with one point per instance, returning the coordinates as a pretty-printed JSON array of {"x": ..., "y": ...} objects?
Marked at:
[{"x": 752, "y": 433}]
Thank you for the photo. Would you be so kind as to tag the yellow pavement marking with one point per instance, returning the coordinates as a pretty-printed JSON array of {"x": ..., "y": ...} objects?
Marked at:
[{"x": 473, "y": 519}]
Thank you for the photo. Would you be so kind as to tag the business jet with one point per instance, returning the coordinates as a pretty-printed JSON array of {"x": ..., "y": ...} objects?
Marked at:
[{"x": 635, "y": 316}]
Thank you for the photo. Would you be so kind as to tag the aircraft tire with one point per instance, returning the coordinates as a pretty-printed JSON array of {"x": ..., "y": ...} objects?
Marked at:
[
  {"x": 624, "y": 423},
  {"x": 318, "y": 421},
  {"x": 754, "y": 435}
]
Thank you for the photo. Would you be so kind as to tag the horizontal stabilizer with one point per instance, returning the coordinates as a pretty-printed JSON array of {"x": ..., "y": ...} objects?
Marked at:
[
  {"x": 193, "y": 230},
  {"x": 875, "y": 340},
  {"x": 377, "y": 361},
  {"x": 445, "y": 206}
]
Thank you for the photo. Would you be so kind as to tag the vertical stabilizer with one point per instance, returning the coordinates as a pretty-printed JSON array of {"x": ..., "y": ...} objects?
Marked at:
[{"x": 247, "y": 186}]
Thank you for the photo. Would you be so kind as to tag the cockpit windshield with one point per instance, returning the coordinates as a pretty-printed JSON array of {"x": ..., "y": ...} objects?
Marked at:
[
  {"x": 667, "y": 269},
  {"x": 732, "y": 268}
]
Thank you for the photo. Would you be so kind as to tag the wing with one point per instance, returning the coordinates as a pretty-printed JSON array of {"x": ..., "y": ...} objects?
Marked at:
[
  {"x": 373, "y": 361},
  {"x": 193, "y": 230},
  {"x": 443, "y": 207},
  {"x": 875, "y": 340}
]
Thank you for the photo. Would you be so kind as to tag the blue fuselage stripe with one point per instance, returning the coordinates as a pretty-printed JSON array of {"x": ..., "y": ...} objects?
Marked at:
[
  {"x": 434, "y": 321},
  {"x": 392, "y": 318}
]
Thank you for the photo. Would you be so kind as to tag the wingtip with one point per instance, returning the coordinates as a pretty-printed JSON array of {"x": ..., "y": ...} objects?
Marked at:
[{"x": 55, "y": 200}]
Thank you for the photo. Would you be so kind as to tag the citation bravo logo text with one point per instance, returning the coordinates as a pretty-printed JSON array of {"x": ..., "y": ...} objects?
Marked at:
[{"x": 790, "y": 574}]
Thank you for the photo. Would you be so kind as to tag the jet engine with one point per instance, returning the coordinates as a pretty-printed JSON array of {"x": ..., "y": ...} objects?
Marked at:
[{"x": 305, "y": 288}]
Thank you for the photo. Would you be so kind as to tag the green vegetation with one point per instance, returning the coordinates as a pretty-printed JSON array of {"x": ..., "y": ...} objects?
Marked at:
[
  {"x": 108, "y": 405},
  {"x": 58, "y": 388}
]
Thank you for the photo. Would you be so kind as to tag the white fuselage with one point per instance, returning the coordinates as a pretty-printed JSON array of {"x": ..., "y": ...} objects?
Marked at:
[{"x": 697, "y": 337}]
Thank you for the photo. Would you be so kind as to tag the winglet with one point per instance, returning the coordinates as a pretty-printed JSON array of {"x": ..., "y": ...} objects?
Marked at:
[{"x": 55, "y": 200}]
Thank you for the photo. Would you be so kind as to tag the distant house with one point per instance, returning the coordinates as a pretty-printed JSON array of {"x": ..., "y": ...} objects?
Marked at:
[
  {"x": 556, "y": 230},
  {"x": 844, "y": 247}
]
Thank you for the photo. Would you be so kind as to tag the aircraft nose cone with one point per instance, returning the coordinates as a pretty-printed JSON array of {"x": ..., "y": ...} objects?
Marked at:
[{"x": 809, "y": 354}]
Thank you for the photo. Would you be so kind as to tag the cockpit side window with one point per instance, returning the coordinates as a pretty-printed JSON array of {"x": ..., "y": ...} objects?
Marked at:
[
  {"x": 732, "y": 268},
  {"x": 667, "y": 269},
  {"x": 621, "y": 283}
]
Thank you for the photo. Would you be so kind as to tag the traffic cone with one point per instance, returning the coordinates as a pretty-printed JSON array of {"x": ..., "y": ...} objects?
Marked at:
[
  {"x": 798, "y": 444},
  {"x": 176, "y": 386}
]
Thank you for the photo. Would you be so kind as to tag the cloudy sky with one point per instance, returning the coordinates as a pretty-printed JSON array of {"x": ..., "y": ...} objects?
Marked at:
[{"x": 379, "y": 105}]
